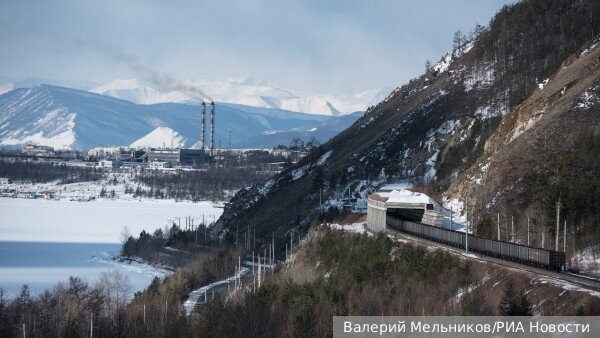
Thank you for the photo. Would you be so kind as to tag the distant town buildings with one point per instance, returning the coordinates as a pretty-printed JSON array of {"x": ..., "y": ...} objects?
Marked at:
[
  {"x": 113, "y": 157},
  {"x": 35, "y": 150}
]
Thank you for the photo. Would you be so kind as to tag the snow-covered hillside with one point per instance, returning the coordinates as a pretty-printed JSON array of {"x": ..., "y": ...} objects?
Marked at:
[
  {"x": 160, "y": 137},
  {"x": 250, "y": 92}
]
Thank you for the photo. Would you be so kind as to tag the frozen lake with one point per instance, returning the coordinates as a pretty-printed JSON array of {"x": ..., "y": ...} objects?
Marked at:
[
  {"x": 44, "y": 242},
  {"x": 37, "y": 220}
]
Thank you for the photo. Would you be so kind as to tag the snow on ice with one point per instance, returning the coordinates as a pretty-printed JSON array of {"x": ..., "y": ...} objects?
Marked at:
[{"x": 98, "y": 221}]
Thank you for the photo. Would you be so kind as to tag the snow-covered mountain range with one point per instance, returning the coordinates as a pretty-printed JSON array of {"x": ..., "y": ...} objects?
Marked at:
[
  {"x": 248, "y": 91},
  {"x": 68, "y": 118}
]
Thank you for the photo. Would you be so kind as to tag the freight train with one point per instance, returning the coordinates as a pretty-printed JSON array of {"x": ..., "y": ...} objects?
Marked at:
[{"x": 537, "y": 257}]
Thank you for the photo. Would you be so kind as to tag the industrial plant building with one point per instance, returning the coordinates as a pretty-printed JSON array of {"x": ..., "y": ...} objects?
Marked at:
[
  {"x": 161, "y": 157},
  {"x": 177, "y": 156}
]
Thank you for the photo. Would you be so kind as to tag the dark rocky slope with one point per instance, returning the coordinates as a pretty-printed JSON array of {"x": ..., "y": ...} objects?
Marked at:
[{"x": 429, "y": 130}]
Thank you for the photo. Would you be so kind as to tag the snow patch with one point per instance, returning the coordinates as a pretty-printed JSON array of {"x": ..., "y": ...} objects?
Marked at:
[
  {"x": 298, "y": 173},
  {"x": 160, "y": 137},
  {"x": 587, "y": 100},
  {"x": 430, "y": 174},
  {"x": 264, "y": 190},
  {"x": 358, "y": 228},
  {"x": 443, "y": 64},
  {"x": 324, "y": 157}
]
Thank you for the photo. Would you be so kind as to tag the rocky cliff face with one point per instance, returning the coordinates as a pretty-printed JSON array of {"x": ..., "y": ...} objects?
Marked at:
[
  {"x": 430, "y": 130},
  {"x": 539, "y": 146}
]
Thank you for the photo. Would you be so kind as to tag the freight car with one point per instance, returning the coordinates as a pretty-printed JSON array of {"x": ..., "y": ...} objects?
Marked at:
[{"x": 538, "y": 257}]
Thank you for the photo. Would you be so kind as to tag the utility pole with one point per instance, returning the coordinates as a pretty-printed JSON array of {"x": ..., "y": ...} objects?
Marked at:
[
  {"x": 558, "y": 205},
  {"x": 91, "y": 325},
  {"x": 144, "y": 314},
  {"x": 498, "y": 226},
  {"x": 467, "y": 227},
  {"x": 229, "y": 141},
  {"x": 451, "y": 212},
  {"x": 512, "y": 228},
  {"x": 543, "y": 238},
  {"x": 528, "y": 223},
  {"x": 565, "y": 237},
  {"x": 259, "y": 265}
]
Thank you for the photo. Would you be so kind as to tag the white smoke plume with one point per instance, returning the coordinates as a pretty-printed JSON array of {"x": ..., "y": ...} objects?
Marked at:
[{"x": 152, "y": 77}]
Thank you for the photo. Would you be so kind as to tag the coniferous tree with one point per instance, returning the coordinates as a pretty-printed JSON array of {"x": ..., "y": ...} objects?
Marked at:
[{"x": 514, "y": 303}]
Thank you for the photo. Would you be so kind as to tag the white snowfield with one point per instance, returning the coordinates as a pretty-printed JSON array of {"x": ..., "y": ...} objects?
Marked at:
[{"x": 100, "y": 221}]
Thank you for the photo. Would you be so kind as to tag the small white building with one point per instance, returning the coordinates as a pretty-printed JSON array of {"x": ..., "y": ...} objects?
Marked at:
[
  {"x": 159, "y": 165},
  {"x": 405, "y": 204},
  {"x": 113, "y": 164}
]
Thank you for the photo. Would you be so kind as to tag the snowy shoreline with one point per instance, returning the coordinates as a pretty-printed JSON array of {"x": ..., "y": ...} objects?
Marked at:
[{"x": 137, "y": 265}]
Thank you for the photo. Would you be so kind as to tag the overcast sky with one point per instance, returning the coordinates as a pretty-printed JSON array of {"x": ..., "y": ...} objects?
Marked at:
[{"x": 324, "y": 46}]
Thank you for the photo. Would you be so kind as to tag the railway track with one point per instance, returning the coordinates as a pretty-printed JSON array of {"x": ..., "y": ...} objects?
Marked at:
[{"x": 587, "y": 283}]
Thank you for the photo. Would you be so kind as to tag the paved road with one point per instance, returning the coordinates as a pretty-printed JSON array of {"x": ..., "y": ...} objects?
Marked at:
[
  {"x": 198, "y": 298},
  {"x": 556, "y": 277}
]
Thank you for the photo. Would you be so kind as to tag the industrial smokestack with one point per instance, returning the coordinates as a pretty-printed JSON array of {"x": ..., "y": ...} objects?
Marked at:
[
  {"x": 203, "y": 130},
  {"x": 212, "y": 128}
]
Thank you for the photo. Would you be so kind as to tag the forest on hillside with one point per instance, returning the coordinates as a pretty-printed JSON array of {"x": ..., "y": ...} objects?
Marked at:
[{"x": 376, "y": 277}]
